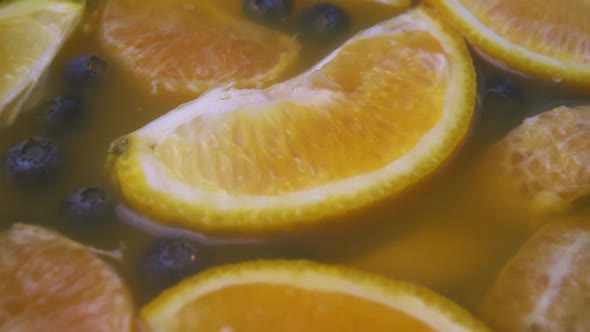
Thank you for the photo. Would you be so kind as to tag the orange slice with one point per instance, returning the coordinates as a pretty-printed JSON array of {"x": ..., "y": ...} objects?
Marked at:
[
  {"x": 545, "y": 286},
  {"x": 356, "y": 128},
  {"x": 177, "y": 45},
  {"x": 549, "y": 38},
  {"x": 541, "y": 166},
  {"x": 294, "y": 296},
  {"x": 51, "y": 283}
]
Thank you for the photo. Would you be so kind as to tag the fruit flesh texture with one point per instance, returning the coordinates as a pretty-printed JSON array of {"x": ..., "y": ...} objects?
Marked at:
[
  {"x": 145, "y": 171},
  {"x": 34, "y": 31},
  {"x": 361, "y": 113},
  {"x": 537, "y": 35},
  {"x": 298, "y": 295},
  {"x": 545, "y": 287},
  {"x": 539, "y": 168},
  {"x": 124, "y": 108},
  {"x": 50, "y": 283},
  {"x": 290, "y": 309},
  {"x": 174, "y": 51}
]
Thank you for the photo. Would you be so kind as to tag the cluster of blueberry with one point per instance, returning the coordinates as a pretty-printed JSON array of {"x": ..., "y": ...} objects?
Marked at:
[
  {"x": 318, "y": 23},
  {"x": 36, "y": 159}
]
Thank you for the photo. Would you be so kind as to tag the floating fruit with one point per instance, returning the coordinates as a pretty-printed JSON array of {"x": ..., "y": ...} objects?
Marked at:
[
  {"x": 541, "y": 166},
  {"x": 549, "y": 39},
  {"x": 51, "y": 283},
  {"x": 545, "y": 286},
  {"x": 301, "y": 296},
  {"x": 168, "y": 261},
  {"x": 356, "y": 128},
  {"x": 34, "y": 160},
  {"x": 87, "y": 206},
  {"x": 175, "y": 45},
  {"x": 31, "y": 33}
]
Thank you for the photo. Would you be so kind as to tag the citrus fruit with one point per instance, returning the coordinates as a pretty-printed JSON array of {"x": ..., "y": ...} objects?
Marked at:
[
  {"x": 545, "y": 286},
  {"x": 541, "y": 166},
  {"x": 191, "y": 46},
  {"x": 550, "y": 39},
  {"x": 363, "y": 8},
  {"x": 31, "y": 33},
  {"x": 51, "y": 283},
  {"x": 300, "y": 296},
  {"x": 356, "y": 128}
]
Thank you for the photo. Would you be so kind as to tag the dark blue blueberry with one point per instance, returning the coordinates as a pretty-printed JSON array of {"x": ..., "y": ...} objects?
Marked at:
[
  {"x": 505, "y": 88},
  {"x": 33, "y": 160},
  {"x": 168, "y": 261},
  {"x": 268, "y": 11},
  {"x": 62, "y": 112},
  {"x": 323, "y": 22},
  {"x": 85, "y": 71},
  {"x": 87, "y": 205}
]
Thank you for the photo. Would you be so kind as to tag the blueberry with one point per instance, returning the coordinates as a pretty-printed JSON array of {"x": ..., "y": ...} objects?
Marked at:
[
  {"x": 87, "y": 205},
  {"x": 505, "y": 88},
  {"x": 323, "y": 22},
  {"x": 62, "y": 112},
  {"x": 268, "y": 11},
  {"x": 168, "y": 261},
  {"x": 33, "y": 160},
  {"x": 85, "y": 70}
]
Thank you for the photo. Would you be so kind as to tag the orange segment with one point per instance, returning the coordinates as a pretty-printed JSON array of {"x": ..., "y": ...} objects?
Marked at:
[
  {"x": 541, "y": 166},
  {"x": 50, "y": 283},
  {"x": 191, "y": 46},
  {"x": 550, "y": 38},
  {"x": 301, "y": 296},
  {"x": 356, "y": 128},
  {"x": 545, "y": 286}
]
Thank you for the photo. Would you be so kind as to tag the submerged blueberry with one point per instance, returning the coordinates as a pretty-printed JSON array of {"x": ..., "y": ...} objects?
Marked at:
[
  {"x": 62, "y": 111},
  {"x": 87, "y": 205},
  {"x": 33, "y": 160},
  {"x": 505, "y": 88},
  {"x": 268, "y": 11},
  {"x": 168, "y": 261},
  {"x": 323, "y": 22},
  {"x": 85, "y": 70}
]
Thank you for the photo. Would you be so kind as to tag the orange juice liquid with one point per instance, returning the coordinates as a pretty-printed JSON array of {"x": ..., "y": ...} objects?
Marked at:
[{"x": 435, "y": 236}]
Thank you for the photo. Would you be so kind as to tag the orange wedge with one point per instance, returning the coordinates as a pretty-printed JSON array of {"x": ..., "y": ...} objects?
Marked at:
[
  {"x": 292, "y": 296},
  {"x": 548, "y": 38},
  {"x": 356, "y": 128},
  {"x": 191, "y": 46},
  {"x": 51, "y": 283},
  {"x": 31, "y": 34}
]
